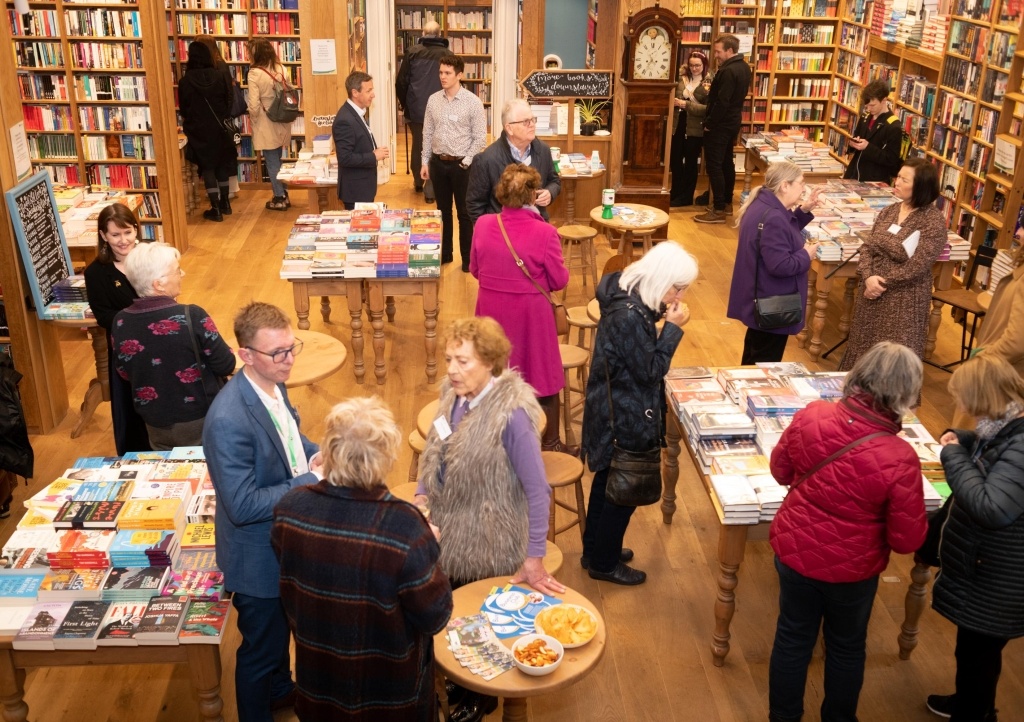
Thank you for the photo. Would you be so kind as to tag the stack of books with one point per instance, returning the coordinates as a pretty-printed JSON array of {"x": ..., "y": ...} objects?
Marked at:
[{"x": 735, "y": 499}]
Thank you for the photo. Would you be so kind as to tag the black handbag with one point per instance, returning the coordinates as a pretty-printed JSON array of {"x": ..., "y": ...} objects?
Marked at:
[
  {"x": 929, "y": 551},
  {"x": 771, "y": 312},
  {"x": 634, "y": 478},
  {"x": 228, "y": 124}
]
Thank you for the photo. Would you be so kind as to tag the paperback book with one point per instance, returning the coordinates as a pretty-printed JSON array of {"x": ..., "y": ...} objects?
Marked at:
[
  {"x": 205, "y": 622},
  {"x": 81, "y": 626},
  {"x": 39, "y": 626},
  {"x": 162, "y": 620}
]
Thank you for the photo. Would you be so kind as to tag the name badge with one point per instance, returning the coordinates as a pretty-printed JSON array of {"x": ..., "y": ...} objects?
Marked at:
[
  {"x": 894, "y": 229},
  {"x": 453, "y": 118},
  {"x": 443, "y": 429}
]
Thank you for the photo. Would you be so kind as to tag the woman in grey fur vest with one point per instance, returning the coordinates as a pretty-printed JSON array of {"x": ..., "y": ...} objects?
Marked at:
[{"x": 980, "y": 587}]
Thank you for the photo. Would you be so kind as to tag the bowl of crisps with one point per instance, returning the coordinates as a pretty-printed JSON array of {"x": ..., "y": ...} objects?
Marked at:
[
  {"x": 570, "y": 624},
  {"x": 537, "y": 654}
]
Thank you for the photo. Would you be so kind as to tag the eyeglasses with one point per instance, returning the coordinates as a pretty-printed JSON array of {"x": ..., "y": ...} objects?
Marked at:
[
  {"x": 697, "y": 65},
  {"x": 526, "y": 121},
  {"x": 679, "y": 287},
  {"x": 279, "y": 356}
]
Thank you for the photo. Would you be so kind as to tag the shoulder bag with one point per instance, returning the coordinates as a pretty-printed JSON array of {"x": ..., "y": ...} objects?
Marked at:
[
  {"x": 771, "y": 312},
  {"x": 634, "y": 478},
  {"x": 558, "y": 308},
  {"x": 227, "y": 124},
  {"x": 200, "y": 365},
  {"x": 284, "y": 108}
]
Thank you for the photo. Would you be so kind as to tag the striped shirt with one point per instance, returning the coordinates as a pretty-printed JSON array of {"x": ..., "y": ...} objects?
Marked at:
[{"x": 456, "y": 127}]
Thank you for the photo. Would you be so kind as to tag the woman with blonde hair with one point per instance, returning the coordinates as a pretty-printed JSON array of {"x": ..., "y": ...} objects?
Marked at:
[
  {"x": 981, "y": 588},
  {"x": 772, "y": 258},
  {"x": 269, "y": 137},
  {"x": 360, "y": 579}
]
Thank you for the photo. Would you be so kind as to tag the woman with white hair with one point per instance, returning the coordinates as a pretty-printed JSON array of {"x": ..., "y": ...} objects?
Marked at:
[
  {"x": 170, "y": 353},
  {"x": 772, "y": 258},
  {"x": 626, "y": 388},
  {"x": 360, "y": 579}
]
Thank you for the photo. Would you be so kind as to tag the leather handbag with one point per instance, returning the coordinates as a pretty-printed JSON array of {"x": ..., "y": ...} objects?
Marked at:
[
  {"x": 558, "y": 308},
  {"x": 771, "y": 312},
  {"x": 228, "y": 124},
  {"x": 634, "y": 477}
]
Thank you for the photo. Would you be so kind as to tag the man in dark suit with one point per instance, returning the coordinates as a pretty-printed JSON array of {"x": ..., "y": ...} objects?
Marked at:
[
  {"x": 357, "y": 149},
  {"x": 256, "y": 454}
]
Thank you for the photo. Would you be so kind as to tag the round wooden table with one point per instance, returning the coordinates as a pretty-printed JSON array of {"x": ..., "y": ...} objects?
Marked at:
[
  {"x": 569, "y": 184},
  {"x": 513, "y": 686},
  {"x": 321, "y": 356},
  {"x": 625, "y": 223},
  {"x": 425, "y": 419}
]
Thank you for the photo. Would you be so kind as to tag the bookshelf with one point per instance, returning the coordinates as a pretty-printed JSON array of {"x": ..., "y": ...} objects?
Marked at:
[{"x": 233, "y": 23}]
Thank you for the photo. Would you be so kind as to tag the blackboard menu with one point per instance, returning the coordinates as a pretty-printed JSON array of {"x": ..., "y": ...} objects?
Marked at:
[
  {"x": 37, "y": 226},
  {"x": 569, "y": 83}
]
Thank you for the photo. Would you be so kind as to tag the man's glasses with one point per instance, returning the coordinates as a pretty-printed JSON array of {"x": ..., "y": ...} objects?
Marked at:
[
  {"x": 525, "y": 121},
  {"x": 279, "y": 356}
]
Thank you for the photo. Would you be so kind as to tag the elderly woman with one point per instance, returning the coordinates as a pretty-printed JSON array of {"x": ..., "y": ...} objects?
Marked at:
[
  {"x": 771, "y": 259},
  {"x": 854, "y": 495},
  {"x": 171, "y": 354},
  {"x": 896, "y": 266},
  {"x": 109, "y": 291},
  {"x": 630, "y": 361},
  {"x": 981, "y": 587},
  {"x": 512, "y": 299},
  {"x": 360, "y": 579},
  {"x": 688, "y": 128}
]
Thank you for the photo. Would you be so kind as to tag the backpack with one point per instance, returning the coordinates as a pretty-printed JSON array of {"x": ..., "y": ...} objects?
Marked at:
[
  {"x": 906, "y": 142},
  {"x": 284, "y": 108}
]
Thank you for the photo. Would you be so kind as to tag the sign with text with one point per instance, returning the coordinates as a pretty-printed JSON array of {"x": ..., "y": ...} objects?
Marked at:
[
  {"x": 569, "y": 83},
  {"x": 37, "y": 226}
]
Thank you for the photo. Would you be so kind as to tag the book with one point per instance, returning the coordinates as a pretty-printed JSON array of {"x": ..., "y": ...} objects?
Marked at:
[
  {"x": 11, "y": 618},
  {"x": 61, "y": 584},
  {"x": 689, "y": 372},
  {"x": 81, "y": 626},
  {"x": 162, "y": 620},
  {"x": 88, "y": 515},
  {"x": 134, "y": 583},
  {"x": 119, "y": 625},
  {"x": 204, "y": 585},
  {"x": 774, "y": 404},
  {"x": 199, "y": 536},
  {"x": 740, "y": 465},
  {"x": 18, "y": 590},
  {"x": 81, "y": 548},
  {"x": 204, "y": 622},
  {"x": 152, "y": 514},
  {"x": 734, "y": 493},
  {"x": 25, "y": 550},
  {"x": 40, "y": 625}
]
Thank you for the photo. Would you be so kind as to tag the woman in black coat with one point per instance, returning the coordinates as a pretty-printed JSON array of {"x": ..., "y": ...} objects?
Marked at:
[
  {"x": 630, "y": 362},
  {"x": 204, "y": 97},
  {"x": 110, "y": 292},
  {"x": 981, "y": 584}
]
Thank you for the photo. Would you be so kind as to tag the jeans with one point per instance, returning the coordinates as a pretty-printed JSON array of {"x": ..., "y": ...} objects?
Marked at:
[
  {"x": 262, "y": 663},
  {"x": 979, "y": 660},
  {"x": 606, "y": 526},
  {"x": 450, "y": 182},
  {"x": 721, "y": 165},
  {"x": 272, "y": 159},
  {"x": 845, "y": 608},
  {"x": 763, "y": 346}
]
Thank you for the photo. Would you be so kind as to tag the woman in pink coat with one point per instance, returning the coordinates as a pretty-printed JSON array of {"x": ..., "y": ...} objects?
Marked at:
[{"x": 508, "y": 296}]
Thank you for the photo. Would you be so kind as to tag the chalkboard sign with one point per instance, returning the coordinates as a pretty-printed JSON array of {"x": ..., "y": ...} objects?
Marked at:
[
  {"x": 569, "y": 83},
  {"x": 44, "y": 249}
]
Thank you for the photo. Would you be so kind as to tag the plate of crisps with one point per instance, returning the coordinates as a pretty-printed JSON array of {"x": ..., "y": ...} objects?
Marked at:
[
  {"x": 570, "y": 624},
  {"x": 537, "y": 654}
]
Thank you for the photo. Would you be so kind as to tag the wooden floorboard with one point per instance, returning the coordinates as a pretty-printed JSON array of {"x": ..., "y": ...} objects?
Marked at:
[{"x": 658, "y": 665}]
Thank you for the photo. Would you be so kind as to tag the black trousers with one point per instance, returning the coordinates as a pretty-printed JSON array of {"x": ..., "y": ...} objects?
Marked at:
[
  {"x": 762, "y": 346},
  {"x": 721, "y": 165},
  {"x": 685, "y": 161},
  {"x": 979, "y": 660},
  {"x": 450, "y": 182},
  {"x": 606, "y": 526},
  {"x": 417, "y": 153}
]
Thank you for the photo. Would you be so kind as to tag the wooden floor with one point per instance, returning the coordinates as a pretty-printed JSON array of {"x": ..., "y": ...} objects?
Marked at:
[{"x": 658, "y": 663}]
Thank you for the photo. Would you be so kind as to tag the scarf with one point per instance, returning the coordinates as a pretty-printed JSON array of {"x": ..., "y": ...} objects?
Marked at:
[{"x": 988, "y": 427}]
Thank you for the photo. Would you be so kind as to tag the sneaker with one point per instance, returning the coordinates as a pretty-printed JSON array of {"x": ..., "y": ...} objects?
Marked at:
[
  {"x": 941, "y": 704},
  {"x": 728, "y": 209},
  {"x": 711, "y": 216}
]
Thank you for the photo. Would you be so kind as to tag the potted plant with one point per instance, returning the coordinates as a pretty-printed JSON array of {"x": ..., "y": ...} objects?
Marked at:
[{"x": 590, "y": 114}]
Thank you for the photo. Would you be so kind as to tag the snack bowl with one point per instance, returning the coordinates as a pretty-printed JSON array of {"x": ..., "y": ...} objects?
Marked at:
[
  {"x": 529, "y": 639},
  {"x": 546, "y": 623}
]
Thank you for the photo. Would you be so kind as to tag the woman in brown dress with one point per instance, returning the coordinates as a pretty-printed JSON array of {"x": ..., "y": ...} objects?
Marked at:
[{"x": 896, "y": 266}]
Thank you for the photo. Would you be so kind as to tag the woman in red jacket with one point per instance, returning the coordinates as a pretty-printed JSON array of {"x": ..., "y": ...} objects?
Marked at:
[{"x": 855, "y": 495}]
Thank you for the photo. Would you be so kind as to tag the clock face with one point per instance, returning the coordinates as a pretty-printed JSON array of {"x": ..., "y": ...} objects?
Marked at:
[{"x": 653, "y": 55}]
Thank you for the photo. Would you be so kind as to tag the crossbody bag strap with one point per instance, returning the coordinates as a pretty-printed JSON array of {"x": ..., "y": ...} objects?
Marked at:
[
  {"x": 281, "y": 81},
  {"x": 216, "y": 117},
  {"x": 757, "y": 249},
  {"x": 195, "y": 350},
  {"x": 519, "y": 262},
  {"x": 821, "y": 464}
]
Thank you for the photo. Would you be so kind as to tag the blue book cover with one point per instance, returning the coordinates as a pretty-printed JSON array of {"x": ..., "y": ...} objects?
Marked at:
[
  {"x": 95, "y": 462},
  {"x": 18, "y": 589},
  {"x": 98, "y": 491},
  {"x": 190, "y": 453},
  {"x": 145, "y": 455}
]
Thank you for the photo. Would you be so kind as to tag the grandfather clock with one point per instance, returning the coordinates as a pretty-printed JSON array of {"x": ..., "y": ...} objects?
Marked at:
[{"x": 649, "y": 66}]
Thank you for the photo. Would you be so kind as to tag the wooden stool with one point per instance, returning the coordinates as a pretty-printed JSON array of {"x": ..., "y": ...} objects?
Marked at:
[
  {"x": 580, "y": 238},
  {"x": 564, "y": 470},
  {"x": 573, "y": 357},
  {"x": 405, "y": 492},
  {"x": 581, "y": 320},
  {"x": 418, "y": 444}
]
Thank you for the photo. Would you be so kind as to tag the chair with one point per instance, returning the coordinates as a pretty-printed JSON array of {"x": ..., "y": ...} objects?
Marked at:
[
  {"x": 418, "y": 444},
  {"x": 581, "y": 240},
  {"x": 564, "y": 470},
  {"x": 966, "y": 300},
  {"x": 580, "y": 320},
  {"x": 573, "y": 357}
]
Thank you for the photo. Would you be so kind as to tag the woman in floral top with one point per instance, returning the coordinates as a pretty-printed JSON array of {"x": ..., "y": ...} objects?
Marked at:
[{"x": 174, "y": 377}]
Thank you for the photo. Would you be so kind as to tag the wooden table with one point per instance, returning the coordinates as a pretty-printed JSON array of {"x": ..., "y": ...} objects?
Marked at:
[
  {"x": 321, "y": 356},
  {"x": 514, "y": 686},
  {"x": 322, "y": 199},
  {"x": 569, "y": 184},
  {"x": 99, "y": 387},
  {"x": 203, "y": 662},
  {"x": 629, "y": 232},
  {"x": 754, "y": 162}
]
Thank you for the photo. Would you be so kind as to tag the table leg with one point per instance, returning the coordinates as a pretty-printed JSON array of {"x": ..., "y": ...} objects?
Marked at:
[
  {"x": 570, "y": 202},
  {"x": 375, "y": 298},
  {"x": 204, "y": 667},
  {"x": 389, "y": 308},
  {"x": 99, "y": 351},
  {"x": 812, "y": 279},
  {"x": 513, "y": 709},
  {"x": 933, "y": 328},
  {"x": 848, "y": 292},
  {"x": 325, "y": 308},
  {"x": 355, "y": 310},
  {"x": 430, "y": 329},
  {"x": 732, "y": 540},
  {"x": 670, "y": 468},
  {"x": 12, "y": 688},
  {"x": 442, "y": 692},
  {"x": 913, "y": 606},
  {"x": 93, "y": 397},
  {"x": 626, "y": 247},
  {"x": 300, "y": 294},
  {"x": 822, "y": 284},
  {"x": 321, "y": 200}
]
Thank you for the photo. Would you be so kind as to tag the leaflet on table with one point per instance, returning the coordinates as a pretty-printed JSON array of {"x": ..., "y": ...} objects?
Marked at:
[
  {"x": 512, "y": 609},
  {"x": 474, "y": 645}
]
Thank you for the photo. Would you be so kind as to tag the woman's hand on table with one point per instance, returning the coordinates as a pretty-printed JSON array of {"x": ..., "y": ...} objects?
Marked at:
[
  {"x": 533, "y": 573},
  {"x": 874, "y": 287}
]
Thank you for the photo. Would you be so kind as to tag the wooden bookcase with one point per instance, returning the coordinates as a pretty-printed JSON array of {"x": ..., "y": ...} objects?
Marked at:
[
  {"x": 91, "y": 83},
  {"x": 233, "y": 23}
]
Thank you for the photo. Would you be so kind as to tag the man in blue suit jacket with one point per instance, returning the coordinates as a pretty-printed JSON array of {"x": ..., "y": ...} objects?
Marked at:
[
  {"x": 256, "y": 454},
  {"x": 354, "y": 142}
]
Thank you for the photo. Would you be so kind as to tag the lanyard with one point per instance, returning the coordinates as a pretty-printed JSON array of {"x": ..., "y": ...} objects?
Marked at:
[{"x": 287, "y": 439}]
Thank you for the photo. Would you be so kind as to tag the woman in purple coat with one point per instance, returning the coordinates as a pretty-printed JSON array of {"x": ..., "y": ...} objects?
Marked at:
[
  {"x": 776, "y": 252},
  {"x": 508, "y": 296}
]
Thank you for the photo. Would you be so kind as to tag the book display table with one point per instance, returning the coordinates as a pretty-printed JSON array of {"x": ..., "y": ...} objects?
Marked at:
[
  {"x": 754, "y": 163},
  {"x": 321, "y": 188},
  {"x": 99, "y": 387}
]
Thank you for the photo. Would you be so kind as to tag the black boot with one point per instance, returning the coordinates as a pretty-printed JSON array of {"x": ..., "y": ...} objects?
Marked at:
[
  {"x": 214, "y": 213},
  {"x": 224, "y": 205}
]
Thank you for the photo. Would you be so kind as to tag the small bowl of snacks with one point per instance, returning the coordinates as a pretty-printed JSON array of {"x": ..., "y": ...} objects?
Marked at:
[
  {"x": 537, "y": 654},
  {"x": 570, "y": 624}
]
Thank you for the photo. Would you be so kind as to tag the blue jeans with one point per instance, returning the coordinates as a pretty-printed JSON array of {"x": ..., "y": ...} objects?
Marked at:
[
  {"x": 262, "y": 663},
  {"x": 272, "y": 159},
  {"x": 845, "y": 608}
]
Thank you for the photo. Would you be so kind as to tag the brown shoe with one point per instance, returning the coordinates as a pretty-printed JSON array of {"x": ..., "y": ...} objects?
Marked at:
[
  {"x": 562, "y": 448},
  {"x": 711, "y": 216},
  {"x": 728, "y": 209}
]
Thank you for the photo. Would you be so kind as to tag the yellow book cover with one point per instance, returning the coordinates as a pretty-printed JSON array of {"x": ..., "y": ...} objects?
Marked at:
[
  {"x": 149, "y": 514},
  {"x": 198, "y": 536},
  {"x": 740, "y": 465}
]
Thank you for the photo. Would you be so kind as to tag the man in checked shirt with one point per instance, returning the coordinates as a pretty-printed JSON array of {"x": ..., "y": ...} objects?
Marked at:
[{"x": 454, "y": 130}]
